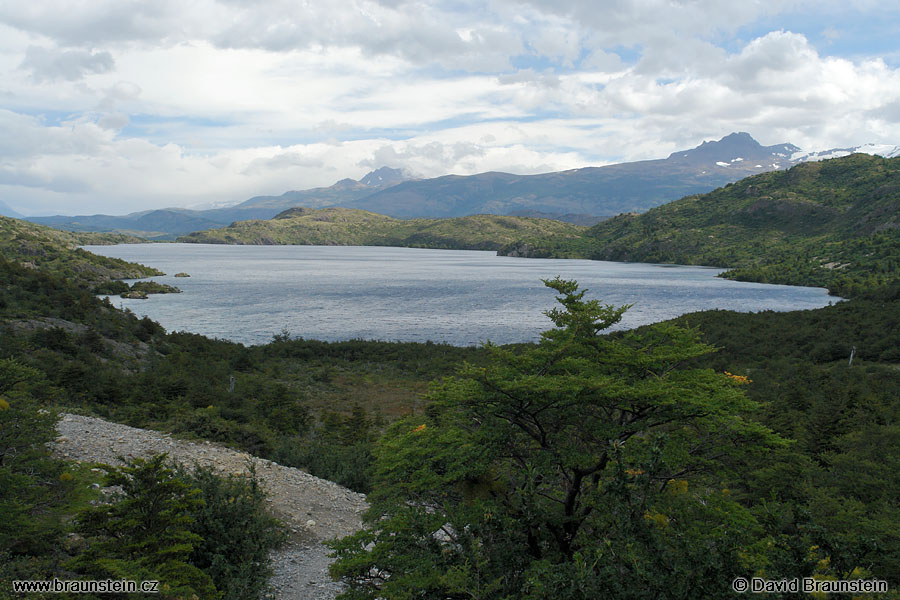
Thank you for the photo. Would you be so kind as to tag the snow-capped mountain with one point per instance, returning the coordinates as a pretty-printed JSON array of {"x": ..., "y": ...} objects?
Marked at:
[
  {"x": 883, "y": 150},
  {"x": 386, "y": 176},
  {"x": 737, "y": 151},
  {"x": 598, "y": 191}
]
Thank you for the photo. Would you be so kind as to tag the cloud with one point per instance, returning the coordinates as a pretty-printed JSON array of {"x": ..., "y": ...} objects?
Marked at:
[
  {"x": 101, "y": 22},
  {"x": 284, "y": 160},
  {"x": 46, "y": 64},
  {"x": 547, "y": 79},
  {"x": 771, "y": 62},
  {"x": 27, "y": 138},
  {"x": 632, "y": 23},
  {"x": 113, "y": 121},
  {"x": 217, "y": 100},
  {"x": 417, "y": 32}
]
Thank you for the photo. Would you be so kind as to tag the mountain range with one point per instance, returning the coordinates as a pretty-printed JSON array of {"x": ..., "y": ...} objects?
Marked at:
[
  {"x": 581, "y": 196},
  {"x": 828, "y": 223},
  {"x": 607, "y": 190},
  {"x": 168, "y": 223}
]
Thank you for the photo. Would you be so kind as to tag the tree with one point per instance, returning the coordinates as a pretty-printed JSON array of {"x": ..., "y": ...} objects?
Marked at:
[
  {"x": 28, "y": 474},
  {"x": 146, "y": 535},
  {"x": 585, "y": 466}
]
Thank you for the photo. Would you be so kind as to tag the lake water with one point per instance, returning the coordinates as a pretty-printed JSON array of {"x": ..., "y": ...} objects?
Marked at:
[{"x": 249, "y": 293}]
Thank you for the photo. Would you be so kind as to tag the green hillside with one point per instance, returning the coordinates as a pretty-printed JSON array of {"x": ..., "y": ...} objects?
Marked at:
[
  {"x": 56, "y": 252},
  {"x": 821, "y": 504},
  {"x": 353, "y": 227},
  {"x": 833, "y": 224}
]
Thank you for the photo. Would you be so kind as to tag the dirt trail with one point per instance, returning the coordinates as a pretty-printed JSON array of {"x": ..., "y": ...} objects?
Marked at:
[{"x": 314, "y": 509}]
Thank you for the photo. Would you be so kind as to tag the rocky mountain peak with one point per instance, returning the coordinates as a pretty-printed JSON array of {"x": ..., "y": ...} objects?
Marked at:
[
  {"x": 385, "y": 176},
  {"x": 733, "y": 148}
]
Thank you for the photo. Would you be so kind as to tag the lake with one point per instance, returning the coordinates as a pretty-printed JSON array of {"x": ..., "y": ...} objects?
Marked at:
[{"x": 250, "y": 293}]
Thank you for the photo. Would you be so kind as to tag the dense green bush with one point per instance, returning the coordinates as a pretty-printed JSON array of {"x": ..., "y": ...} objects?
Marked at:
[
  {"x": 236, "y": 534},
  {"x": 147, "y": 533},
  {"x": 194, "y": 531}
]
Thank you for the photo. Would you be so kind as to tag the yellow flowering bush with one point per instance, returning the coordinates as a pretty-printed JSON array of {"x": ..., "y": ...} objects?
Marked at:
[{"x": 741, "y": 379}]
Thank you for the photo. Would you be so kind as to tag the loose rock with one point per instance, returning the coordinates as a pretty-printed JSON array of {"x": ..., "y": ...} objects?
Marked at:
[{"x": 314, "y": 509}]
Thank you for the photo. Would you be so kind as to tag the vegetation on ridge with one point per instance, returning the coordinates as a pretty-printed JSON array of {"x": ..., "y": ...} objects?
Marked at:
[
  {"x": 834, "y": 224},
  {"x": 56, "y": 252},
  {"x": 353, "y": 227}
]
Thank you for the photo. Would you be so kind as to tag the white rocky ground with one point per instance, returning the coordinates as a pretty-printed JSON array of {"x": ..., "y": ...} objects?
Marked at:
[{"x": 314, "y": 509}]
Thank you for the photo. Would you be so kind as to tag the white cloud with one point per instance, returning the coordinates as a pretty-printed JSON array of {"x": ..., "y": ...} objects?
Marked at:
[
  {"x": 47, "y": 64},
  {"x": 284, "y": 160},
  {"x": 418, "y": 32},
  {"x": 124, "y": 104}
]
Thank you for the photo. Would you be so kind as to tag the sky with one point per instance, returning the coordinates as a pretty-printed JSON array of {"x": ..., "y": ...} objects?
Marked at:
[{"x": 114, "y": 106}]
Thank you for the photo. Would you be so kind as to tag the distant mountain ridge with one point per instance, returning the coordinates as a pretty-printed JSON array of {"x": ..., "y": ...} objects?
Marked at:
[
  {"x": 168, "y": 223},
  {"x": 160, "y": 224},
  {"x": 608, "y": 190},
  {"x": 736, "y": 149},
  {"x": 883, "y": 150},
  {"x": 339, "y": 194},
  {"x": 581, "y": 195},
  {"x": 829, "y": 223}
]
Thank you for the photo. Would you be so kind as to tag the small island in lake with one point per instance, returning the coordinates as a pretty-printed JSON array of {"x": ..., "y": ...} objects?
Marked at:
[{"x": 137, "y": 290}]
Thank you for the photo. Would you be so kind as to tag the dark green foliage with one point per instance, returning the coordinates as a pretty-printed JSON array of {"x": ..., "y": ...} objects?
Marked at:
[
  {"x": 829, "y": 224},
  {"x": 154, "y": 287},
  {"x": 185, "y": 528},
  {"x": 236, "y": 533},
  {"x": 147, "y": 533},
  {"x": 582, "y": 467},
  {"x": 835, "y": 488},
  {"x": 340, "y": 449},
  {"x": 194, "y": 531},
  {"x": 113, "y": 287},
  {"x": 120, "y": 288},
  {"x": 29, "y": 481},
  {"x": 826, "y": 504}
]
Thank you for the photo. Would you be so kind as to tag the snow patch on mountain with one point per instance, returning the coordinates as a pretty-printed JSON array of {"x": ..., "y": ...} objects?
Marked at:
[
  {"x": 883, "y": 150},
  {"x": 386, "y": 176}
]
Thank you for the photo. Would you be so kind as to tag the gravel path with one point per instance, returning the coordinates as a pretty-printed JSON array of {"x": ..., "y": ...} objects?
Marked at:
[{"x": 314, "y": 509}]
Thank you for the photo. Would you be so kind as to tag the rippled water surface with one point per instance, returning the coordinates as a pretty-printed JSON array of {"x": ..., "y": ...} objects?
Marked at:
[{"x": 249, "y": 293}]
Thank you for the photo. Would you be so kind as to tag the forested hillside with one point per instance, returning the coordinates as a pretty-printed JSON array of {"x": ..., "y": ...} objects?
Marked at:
[
  {"x": 834, "y": 224},
  {"x": 748, "y": 446}
]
